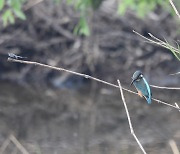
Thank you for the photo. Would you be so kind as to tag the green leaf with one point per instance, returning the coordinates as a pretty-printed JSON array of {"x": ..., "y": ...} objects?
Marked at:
[
  {"x": 16, "y": 4},
  {"x": 19, "y": 14},
  {"x": 121, "y": 9},
  {"x": 11, "y": 18},
  {"x": 142, "y": 9},
  {"x": 2, "y": 4},
  {"x": 82, "y": 27},
  {"x": 8, "y": 17},
  {"x": 70, "y": 1},
  {"x": 5, "y": 19},
  {"x": 57, "y": 1},
  {"x": 152, "y": 6}
]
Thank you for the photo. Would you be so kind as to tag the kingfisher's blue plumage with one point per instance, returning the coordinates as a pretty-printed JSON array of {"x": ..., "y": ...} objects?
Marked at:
[{"x": 142, "y": 85}]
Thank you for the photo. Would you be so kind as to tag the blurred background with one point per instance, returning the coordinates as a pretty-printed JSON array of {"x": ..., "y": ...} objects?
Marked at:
[{"x": 51, "y": 112}]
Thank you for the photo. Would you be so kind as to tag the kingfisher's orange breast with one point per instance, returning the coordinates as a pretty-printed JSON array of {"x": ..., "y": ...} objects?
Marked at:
[{"x": 140, "y": 93}]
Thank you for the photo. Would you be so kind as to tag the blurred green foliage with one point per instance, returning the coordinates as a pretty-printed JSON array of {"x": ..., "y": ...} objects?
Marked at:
[
  {"x": 84, "y": 7},
  {"x": 142, "y": 7},
  {"x": 11, "y": 9}
]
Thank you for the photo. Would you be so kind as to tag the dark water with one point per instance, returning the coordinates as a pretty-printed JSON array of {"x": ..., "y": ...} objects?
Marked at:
[{"x": 86, "y": 121}]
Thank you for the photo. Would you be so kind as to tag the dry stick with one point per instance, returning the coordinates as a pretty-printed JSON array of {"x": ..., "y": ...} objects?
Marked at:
[
  {"x": 169, "y": 88},
  {"x": 177, "y": 105},
  {"x": 173, "y": 6},
  {"x": 18, "y": 144},
  {"x": 85, "y": 76},
  {"x": 175, "y": 73},
  {"x": 174, "y": 147},
  {"x": 11, "y": 138},
  {"x": 129, "y": 119},
  {"x": 159, "y": 101}
]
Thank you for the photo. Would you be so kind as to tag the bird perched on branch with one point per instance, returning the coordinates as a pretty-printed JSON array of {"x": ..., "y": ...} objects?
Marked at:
[{"x": 142, "y": 86}]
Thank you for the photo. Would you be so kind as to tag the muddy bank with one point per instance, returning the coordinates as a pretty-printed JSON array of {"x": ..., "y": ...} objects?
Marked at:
[{"x": 85, "y": 120}]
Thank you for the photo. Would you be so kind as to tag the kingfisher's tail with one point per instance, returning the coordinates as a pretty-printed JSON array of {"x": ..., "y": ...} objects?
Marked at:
[{"x": 148, "y": 100}]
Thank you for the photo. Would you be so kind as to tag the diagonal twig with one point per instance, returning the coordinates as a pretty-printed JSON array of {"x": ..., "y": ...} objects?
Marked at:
[
  {"x": 83, "y": 75},
  {"x": 168, "y": 88},
  {"x": 177, "y": 105},
  {"x": 173, "y": 6},
  {"x": 18, "y": 144},
  {"x": 129, "y": 119},
  {"x": 6, "y": 143},
  {"x": 175, "y": 73},
  {"x": 174, "y": 147}
]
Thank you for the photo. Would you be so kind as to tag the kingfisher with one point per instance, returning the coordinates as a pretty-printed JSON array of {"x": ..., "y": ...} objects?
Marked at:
[{"x": 142, "y": 86}]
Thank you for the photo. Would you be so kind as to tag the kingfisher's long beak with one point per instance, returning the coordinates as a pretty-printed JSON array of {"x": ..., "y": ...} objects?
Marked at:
[{"x": 132, "y": 81}]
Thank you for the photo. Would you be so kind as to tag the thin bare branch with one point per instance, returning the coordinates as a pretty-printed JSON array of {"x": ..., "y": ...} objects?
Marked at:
[
  {"x": 157, "y": 39},
  {"x": 174, "y": 147},
  {"x": 12, "y": 138},
  {"x": 129, "y": 119},
  {"x": 173, "y": 6},
  {"x": 159, "y": 101},
  {"x": 168, "y": 88},
  {"x": 175, "y": 73},
  {"x": 18, "y": 144},
  {"x": 177, "y": 106},
  {"x": 85, "y": 76}
]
